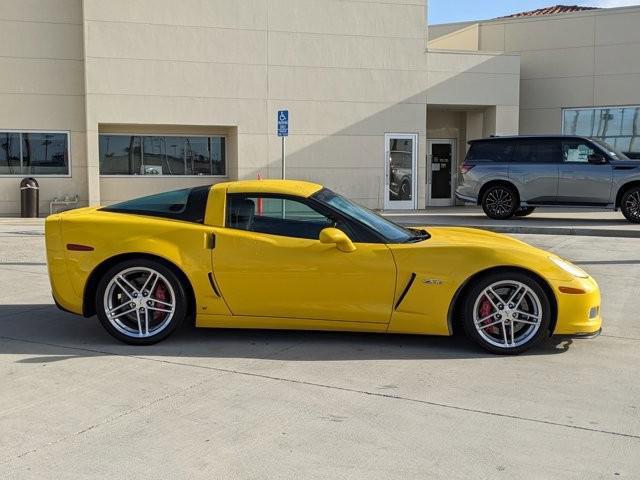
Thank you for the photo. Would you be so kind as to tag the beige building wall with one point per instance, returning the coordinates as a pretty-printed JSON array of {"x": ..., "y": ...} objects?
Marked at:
[
  {"x": 475, "y": 88},
  {"x": 465, "y": 38},
  {"x": 42, "y": 88},
  {"x": 348, "y": 71},
  {"x": 568, "y": 60}
]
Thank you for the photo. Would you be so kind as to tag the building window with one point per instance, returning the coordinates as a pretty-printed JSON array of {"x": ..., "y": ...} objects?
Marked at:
[
  {"x": 618, "y": 126},
  {"x": 34, "y": 153},
  {"x": 162, "y": 155}
]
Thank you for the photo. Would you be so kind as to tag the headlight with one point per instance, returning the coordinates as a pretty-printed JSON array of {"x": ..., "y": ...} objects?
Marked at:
[{"x": 569, "y": 267}]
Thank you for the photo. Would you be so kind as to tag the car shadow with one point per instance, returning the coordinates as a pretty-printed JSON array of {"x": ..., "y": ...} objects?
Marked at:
[{"x": 50, "y": 335}]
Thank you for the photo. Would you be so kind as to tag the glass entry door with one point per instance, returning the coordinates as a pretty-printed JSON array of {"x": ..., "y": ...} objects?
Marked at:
[
  {"x": 401, "y": 154},
  {"x": 440, "y": 170}
]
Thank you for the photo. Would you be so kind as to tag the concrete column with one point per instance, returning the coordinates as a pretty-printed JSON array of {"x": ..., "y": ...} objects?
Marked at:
[
  {"x": 93, "y": 168},
  {"x": 475, "y": 123},
  {"x": 507, "y": 120}
]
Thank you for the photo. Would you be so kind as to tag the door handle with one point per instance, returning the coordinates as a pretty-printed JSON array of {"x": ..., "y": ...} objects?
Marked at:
[{"x": 209, "y": 241}]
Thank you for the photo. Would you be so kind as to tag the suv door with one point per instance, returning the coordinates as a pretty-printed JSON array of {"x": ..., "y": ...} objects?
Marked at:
[
  {"x": 582, "y": 182},
  {"x": 534, "y": 169},
  {"x": 269, "y": 262}
]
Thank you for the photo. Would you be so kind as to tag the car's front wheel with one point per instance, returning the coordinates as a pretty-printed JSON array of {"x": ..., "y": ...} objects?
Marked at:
[
  {"x": 500, "y": 202},
  {"x": 630, "y": 204},
  {"x": 506, "y": 312},
  {"x": 140, "y": 301}
]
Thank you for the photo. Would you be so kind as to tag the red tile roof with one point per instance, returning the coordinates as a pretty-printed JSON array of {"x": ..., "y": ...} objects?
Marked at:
[{"x": 551, "y": 11}]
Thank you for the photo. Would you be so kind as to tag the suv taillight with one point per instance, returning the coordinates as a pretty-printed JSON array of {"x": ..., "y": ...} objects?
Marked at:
[{"x": 464, "y": 168}]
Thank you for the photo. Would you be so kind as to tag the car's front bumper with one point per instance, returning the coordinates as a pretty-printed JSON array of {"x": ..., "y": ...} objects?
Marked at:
[{"x": 578, "y": 313}]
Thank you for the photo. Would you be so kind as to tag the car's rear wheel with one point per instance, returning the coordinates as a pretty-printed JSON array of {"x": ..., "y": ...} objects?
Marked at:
[
  {"x": 140, "y": 301},
  {"x": 500, "y": 202},
  {"x": 630, "y": 204},
  {"x": 506, "y": 312},
  {"x": 524, "y": 212}
]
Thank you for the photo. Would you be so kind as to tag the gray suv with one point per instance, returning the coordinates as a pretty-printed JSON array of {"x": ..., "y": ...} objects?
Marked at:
[{"x": 511, "y": 176}]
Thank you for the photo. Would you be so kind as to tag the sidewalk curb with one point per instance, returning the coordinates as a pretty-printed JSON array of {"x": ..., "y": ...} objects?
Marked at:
[{"x": 583, "y": 232}]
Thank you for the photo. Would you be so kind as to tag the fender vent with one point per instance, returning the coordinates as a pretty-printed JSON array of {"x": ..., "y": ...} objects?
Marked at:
[
  {"x": 406, "y": 290},
  {"x": 214, "y": 287}
]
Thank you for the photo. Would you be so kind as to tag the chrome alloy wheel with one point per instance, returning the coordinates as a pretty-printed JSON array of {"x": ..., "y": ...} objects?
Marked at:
[
  {"x": 499, "y": 201},
  {"x": 507, "y": 314},
  {"x": 632, "y": 205},
  {"x": 139, "y": 302}
]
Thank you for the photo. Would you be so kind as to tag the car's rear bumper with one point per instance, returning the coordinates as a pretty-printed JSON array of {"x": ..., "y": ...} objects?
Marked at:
[
  {"x": 62, "y": 290},
  {"x": 579, "y": 314},
  {"x": 466, "y": 198}
]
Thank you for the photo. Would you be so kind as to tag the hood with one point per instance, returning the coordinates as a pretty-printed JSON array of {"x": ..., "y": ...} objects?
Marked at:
[{"x": 475, "y": 237}]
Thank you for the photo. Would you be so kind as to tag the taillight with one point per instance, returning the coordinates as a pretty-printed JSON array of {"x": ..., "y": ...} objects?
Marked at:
[{"x": 464, "y": 168}]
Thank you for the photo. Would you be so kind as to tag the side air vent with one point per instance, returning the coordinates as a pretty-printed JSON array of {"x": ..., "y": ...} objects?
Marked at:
[{"x": 406, "y": 290}]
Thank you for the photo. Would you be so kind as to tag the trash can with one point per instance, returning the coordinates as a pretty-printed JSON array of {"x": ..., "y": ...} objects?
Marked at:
[{"x": 29, "y": 198}]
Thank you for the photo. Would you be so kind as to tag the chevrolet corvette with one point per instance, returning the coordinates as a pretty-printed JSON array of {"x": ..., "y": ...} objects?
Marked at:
[{"x": 280, "y": 254}]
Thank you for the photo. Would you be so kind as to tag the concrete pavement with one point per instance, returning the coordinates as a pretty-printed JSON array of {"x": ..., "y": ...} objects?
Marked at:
[
  {"x": 545, "y": 221},
  {"x": 74, "y": 403}
]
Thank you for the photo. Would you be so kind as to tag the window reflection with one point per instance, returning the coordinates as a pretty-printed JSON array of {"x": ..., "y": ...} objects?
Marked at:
[
  {"x": 10, "y": 154},
  {"x": 161, "y": 155},
  {"x": 34, "y": 153},
  {"x": 618, "y": 126}
]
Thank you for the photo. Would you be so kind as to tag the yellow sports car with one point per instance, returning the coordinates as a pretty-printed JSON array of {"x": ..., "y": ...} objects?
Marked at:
[{"x": 294, "y": 255}]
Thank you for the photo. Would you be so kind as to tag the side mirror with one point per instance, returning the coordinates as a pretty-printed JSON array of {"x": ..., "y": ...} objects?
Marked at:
[
  {"x": 333, "y": 236},
  {"x": 597, "y": 159}
]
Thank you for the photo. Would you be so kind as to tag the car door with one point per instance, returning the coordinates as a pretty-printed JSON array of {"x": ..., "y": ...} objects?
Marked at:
[
  {"x": 268, "y": 262},
  {"x": 534, "y": 169},
  {"x": 583, "y": 182}
]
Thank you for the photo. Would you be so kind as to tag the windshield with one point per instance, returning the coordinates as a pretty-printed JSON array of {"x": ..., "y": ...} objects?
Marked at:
[
  {"x": 610, "y": 150},
  {"x": 392, "y": 232}
]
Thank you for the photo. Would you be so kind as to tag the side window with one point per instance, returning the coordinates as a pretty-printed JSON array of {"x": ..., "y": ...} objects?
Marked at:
[
  {"x": 275, "y": 216},
  {"x": 537, "y": 151},
  {"x": 576, "y": 151},
  {"x": 188, "y": 204},
  {"x": 491, "y": 151}
]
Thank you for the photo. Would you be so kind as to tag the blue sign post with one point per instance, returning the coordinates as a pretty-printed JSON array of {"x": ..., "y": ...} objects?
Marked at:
[
  {"x": 283, "y": 131},
  {"x": 283, "y": 123}
]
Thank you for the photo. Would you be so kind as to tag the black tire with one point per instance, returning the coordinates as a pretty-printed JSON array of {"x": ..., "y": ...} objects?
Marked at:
[
  {"x": 630, "y": 204},
  {"x": 525, "y": 335},
  {"x": 500, "y": 202},
  {"x": 134, "y": 270},
  {"x": 524, "y": 212}
]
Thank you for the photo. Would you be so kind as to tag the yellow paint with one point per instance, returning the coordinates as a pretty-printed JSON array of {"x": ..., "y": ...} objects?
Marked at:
[{"x": 269, "y": 281}]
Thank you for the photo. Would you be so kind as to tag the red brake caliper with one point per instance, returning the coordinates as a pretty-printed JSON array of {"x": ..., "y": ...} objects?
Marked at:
[
  {"x": 160, "y": 293},
  {"x": 485, "y": 311}
]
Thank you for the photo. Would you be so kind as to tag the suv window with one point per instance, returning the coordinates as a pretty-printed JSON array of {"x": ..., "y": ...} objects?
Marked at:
[
  {"x": 537, "y": 151},
  {"x": 275, "y": 215},
  {"x": 576, "y": 151},
  {"x": 491, "y": 151}
]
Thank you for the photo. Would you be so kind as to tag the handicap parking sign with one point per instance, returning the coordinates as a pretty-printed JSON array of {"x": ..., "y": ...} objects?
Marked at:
[{"x": 283, "y": 123}]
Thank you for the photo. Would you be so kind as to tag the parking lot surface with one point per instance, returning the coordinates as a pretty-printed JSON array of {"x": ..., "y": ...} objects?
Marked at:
[
  {"x": 74, "y": 403},
  {"x": 547, "y": 221}
]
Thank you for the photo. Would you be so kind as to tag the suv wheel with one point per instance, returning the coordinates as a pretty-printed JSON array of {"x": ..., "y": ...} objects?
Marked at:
[
  {"x": 630, "y": 204},
  {"x": 500, "y": 202}
]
